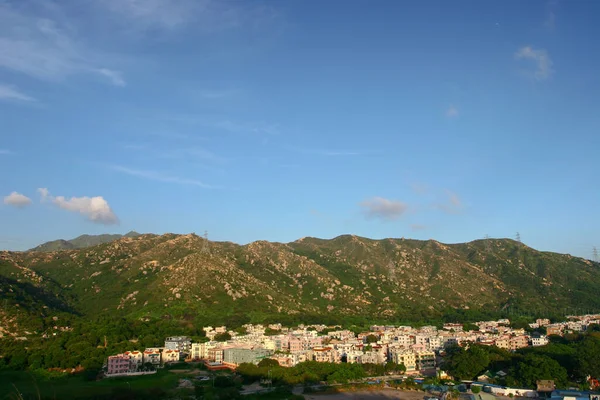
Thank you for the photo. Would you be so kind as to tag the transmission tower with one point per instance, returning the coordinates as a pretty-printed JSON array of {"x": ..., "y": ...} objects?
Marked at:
[
  {"x": 595, "y": 254},
  {"x": 205, "y": 248},
  {"x": 518, "y": 237},
  {"x": 486, "y": 239}
]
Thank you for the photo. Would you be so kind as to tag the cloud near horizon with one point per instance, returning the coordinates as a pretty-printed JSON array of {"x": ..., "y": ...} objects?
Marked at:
[
  {"x": 541, "y": 58},
  {"x": 16, "y": 199},
  {"x": 95, "y": 209},
  {"x": 384, "y": 209}
]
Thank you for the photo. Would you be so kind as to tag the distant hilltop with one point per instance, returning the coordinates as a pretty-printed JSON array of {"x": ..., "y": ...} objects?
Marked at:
[{"x": 81, "y": 242}]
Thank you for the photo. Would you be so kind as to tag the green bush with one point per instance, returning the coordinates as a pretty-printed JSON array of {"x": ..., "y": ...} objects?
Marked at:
[{"x": 476, "y": 389}]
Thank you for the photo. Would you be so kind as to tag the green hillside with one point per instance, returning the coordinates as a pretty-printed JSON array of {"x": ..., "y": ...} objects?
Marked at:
[{"x": 343, "y": 279}]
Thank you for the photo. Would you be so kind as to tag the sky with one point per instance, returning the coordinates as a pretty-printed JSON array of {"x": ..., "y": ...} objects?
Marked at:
[{"x": 276, "y": 120}]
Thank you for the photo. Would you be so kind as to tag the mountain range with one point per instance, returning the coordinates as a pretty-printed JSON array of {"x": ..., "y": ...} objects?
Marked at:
[
  {"x": 81, "y": 241},
  {"x": 347, "y": 278}
]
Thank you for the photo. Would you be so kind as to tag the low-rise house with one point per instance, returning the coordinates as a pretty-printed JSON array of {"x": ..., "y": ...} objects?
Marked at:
[
  {"x": 453, "y": 327},
  {"x": 554, "y": 329},
  {"x": 171, "y": 356},
  {"x": 539, "y": 340},
  {"x": 152, "y": 356}
]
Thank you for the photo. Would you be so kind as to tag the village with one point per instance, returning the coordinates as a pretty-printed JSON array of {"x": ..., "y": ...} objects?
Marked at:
[{"x": 419, "y": 350}]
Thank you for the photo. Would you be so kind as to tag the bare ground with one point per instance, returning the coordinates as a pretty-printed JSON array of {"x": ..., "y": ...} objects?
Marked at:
[{"x": 381, "y": 394}]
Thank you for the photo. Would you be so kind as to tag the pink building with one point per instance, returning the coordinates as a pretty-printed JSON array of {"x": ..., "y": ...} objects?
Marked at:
[
  {"x": 295, "y": 345},
  {"x": 118, "y": 364}
]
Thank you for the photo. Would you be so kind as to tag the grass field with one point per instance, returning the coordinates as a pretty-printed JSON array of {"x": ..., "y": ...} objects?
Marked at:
[{"x": 24, "y": 385}]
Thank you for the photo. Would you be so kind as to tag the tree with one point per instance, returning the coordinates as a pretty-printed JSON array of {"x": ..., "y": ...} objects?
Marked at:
[
  {"x": 475, "y": 389},
  {"x": 470, "y": 327},
  {"x": 268, "y": 363},
  {"x": 394, "y": 368},
  {"x": 535, "y": 367},
  {"x": 241, "y": 331},
  {"x": 587, "y": 356},
  {"x": 466, "y": 364},
  {"x": 222, "y": 337},
  {"x": 372, "y": 338}
]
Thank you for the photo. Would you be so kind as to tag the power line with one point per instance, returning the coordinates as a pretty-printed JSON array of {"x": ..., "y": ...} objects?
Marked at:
[
  {"x": 595, "y": 254},
  {"x": 518, "y": 237}
]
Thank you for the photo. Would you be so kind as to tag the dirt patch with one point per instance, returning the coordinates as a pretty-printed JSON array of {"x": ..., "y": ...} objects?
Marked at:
[
  {"x": 188, "y": 371},
  {"x": 382, "y": 394}
]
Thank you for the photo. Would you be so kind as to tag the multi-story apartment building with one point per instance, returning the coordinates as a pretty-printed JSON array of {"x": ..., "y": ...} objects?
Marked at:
[
  {"x": 118, "y": 364},
  {"x": 406, "y": 357},
  {"x": 502, "y": 342},
  {"x": 238, "y": 356},
  {"x": 215, "y": 355},
  {"x": 325, "y": 354},
  {"x": 181, "y": 343},
  {"x": 518, "y": 342},
  {"x": 136, "y": 359},
  {"x": 424, "y": 360}
]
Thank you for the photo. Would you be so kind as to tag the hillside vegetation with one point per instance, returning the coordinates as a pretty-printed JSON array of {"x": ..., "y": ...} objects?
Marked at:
[{"x": 345, "y": 279}]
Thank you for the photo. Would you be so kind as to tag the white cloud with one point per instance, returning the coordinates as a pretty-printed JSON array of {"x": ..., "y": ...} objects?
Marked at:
[
  {"x": 160, "y": 177},
  {"x": 41, "y": 43},
  {"x": 17, "y": 200},
  {"x": 5, "y": 151},
  {"x": 235, "y": 127},
  {"x": 452, "y": 112},
  {"x": 115, "y": 77},
  {"x": 95, "y": 209},
  {"x": 11, "y": 93},
  {"x": 325, "y": 152},
  {"x": 218, "y": 94},
  {"x": 550, "y": 20},
  {"x": 385, "y": 209},
  {"x": 209, "y": 16},
  {"x": 540, "y": 57},
  {"x": 166, "y": 14},
  {"x": 452, "y": 205},
  {"x": 420, "y": 188},
  {"x": 44, "y": 193}
]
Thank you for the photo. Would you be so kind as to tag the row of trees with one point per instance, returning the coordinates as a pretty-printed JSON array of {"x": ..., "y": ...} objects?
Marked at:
[
  {"x": 89, "y": 343},
  {"x": 313, "y": 372},
  {"x": 567, "y": 361}
]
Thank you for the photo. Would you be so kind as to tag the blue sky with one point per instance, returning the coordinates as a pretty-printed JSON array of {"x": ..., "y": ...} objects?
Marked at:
[{"x": 278, "y": 120}]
